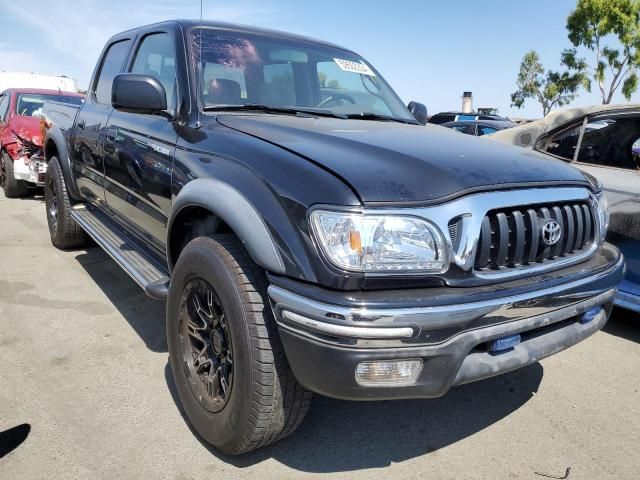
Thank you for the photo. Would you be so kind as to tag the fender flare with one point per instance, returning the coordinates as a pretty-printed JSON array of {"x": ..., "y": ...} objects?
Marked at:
[
  {"x": 56, "y": 136},
  {"x": 232, "y": 207}
]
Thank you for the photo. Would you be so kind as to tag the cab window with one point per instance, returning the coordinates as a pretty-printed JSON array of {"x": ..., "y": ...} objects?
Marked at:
[
  {"x": 611, "y": 142},
  {"x": 4, "y": 107},
  {"x": 468, "y": 129},
  {"x": 156, "y": 57},
  {"x": 562, "y": 144},
  {"x": 483, "y": 130}
]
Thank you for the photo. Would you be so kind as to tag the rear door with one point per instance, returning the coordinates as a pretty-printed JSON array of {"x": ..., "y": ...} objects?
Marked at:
[
  {"x": 139, "y": 148},
  {"x": 610, "y": 150},
  {"x": 91, "y": 123}
]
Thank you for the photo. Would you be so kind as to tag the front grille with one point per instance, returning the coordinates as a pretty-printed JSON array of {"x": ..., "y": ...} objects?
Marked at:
[
  {"x": 454, "y": 230},
  {"x": 513, "y": 236}
]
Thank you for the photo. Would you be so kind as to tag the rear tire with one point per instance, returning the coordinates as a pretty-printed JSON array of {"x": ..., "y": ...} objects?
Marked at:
[
  {"x": 262, "y": 401},
  {"x": 12, "y": 188},
  {"x": 64, "y": 231}
]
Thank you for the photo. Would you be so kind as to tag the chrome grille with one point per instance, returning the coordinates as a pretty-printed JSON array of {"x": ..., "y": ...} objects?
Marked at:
[{"x": 513, "y": 236}]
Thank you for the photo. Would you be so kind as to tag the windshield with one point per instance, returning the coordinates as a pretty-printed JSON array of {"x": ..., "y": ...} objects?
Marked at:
[
  {"x": 30, "y": 104},
  {"x": 242, "y": 69}
]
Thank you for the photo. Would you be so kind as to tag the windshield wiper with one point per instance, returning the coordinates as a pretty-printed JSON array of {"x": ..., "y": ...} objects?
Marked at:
[
  {"x": 378, "y": 117},
  {"x": 257, "y": 107}
]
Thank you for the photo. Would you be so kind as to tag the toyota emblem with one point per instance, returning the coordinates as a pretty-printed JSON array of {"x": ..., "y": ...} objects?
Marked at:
[{"x": 551, "y": 232}]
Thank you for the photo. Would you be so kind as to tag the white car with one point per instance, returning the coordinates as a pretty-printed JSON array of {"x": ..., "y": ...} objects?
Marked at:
[{"x": 604, "y": 141}]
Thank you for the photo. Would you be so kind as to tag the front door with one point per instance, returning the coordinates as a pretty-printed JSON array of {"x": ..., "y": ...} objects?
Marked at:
[{"x": 139, "y": 149}]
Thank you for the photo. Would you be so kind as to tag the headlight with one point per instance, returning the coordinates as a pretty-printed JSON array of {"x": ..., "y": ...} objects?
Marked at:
[
  {"x": 603, "y": 214},
  {"x": 379, "y": 243}
]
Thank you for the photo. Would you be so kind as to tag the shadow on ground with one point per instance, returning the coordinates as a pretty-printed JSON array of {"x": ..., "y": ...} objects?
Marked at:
[
  {"x": 145, "y": 315},
  {"x": 624, "y": 324},
  {"x": 35, "y": 193},
  {"x": 13, "y": 438},
  {"x": 340, "y": 436}
]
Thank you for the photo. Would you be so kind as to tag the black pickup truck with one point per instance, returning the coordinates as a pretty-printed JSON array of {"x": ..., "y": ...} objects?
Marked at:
[{"x": 310, "y": 234}]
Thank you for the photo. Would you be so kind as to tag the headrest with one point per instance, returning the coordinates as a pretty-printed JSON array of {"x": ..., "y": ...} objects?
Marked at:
[{"x": 224, "y": 92}]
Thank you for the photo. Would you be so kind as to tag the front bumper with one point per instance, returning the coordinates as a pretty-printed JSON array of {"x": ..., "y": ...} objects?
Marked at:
[
  {"x": 449, "y": 330},
  {"x": 31, "y": 169}
]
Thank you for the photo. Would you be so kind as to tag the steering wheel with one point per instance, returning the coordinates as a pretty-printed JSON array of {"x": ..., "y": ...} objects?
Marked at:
[{"x": 334, "y": 97}]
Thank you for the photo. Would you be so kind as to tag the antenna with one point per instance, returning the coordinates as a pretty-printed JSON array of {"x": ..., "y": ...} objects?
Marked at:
[{"x": 200, "y": 71}]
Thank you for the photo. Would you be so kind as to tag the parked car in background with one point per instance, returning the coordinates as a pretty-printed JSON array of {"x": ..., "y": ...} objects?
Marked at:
[
  {"x": 603, "y": 141},
  {"x": 479, "y": 128},
  {"x": 21, "y": 162},
  {"x": 444, "y": 117},
  {"x": 309, "y": 234}
]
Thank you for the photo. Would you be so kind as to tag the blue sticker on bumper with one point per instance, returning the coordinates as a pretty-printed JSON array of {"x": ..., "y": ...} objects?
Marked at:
[{"x": 505, "y": 343}]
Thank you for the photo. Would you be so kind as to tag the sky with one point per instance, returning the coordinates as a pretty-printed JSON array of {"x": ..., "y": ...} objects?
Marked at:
[{"x": 429, "y": 51}]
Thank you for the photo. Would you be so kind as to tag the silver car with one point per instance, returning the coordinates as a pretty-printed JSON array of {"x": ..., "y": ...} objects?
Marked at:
[{"x": 605, "y": 142}]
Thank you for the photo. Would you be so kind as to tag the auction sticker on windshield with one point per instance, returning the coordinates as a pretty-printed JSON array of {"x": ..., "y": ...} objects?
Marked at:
[{"x": 354, "y": 67}]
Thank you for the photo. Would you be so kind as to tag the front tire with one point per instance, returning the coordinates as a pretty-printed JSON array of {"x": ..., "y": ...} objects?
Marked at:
[
  {"x": 230, "y": 371},
  {"x": 12, "y": 187},
  {"x": 63, "y": 230}
]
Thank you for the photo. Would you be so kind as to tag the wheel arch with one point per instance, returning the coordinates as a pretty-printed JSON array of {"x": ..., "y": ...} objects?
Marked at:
[
  {"x": 208, "y": 206},
  {"x": 55, "y": 145}
]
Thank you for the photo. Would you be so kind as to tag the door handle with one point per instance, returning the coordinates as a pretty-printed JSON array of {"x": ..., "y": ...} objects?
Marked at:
[{"x": 81, "y": 124}]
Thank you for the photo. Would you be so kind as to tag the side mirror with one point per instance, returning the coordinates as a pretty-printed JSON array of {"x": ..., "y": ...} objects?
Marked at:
[
  {"x": 132, "y": 92},
  {"x": 419, "y": 111}
]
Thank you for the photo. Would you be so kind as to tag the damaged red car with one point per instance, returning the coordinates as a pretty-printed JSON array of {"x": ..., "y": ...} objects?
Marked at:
[{"x": 22, "y": 165}]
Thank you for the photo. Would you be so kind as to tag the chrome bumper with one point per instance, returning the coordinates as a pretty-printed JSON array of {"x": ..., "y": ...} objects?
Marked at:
[
  {"x": 325, "y": 343},
  {"x": 380, "y": 327}
]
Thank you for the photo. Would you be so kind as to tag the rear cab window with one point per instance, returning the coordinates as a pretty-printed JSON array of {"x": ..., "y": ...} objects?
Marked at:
[
  {"x": 30, "y": 104},
  {"x": 111, "y": 66}
]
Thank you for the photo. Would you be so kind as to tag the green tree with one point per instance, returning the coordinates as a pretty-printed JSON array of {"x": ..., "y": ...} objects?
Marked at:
[
  {"x": 590, "y": 25},
  {"x": 548, "y": 88}
]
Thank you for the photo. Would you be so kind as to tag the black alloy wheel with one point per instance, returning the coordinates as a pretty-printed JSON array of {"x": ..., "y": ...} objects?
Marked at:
[
  {"x": 51, "y": 203},
  {"x": 206, "y": 346},
  {"x": 3, "y": 173}
]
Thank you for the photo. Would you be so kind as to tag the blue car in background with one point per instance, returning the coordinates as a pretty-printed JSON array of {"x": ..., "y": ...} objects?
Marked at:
[{"x": 479, "y": 128}]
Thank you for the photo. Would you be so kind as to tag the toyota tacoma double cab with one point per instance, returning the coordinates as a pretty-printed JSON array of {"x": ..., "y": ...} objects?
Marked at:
[{"x": 310, "y": 234}]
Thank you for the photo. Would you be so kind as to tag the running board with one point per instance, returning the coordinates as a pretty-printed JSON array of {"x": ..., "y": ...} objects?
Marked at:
[{"x": 126, "y": 251}]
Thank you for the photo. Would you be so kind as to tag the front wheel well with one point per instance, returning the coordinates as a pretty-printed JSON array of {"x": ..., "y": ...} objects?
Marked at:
[
  {"x": 50, "y": 150},
  {"x": 192, "y": 222}
]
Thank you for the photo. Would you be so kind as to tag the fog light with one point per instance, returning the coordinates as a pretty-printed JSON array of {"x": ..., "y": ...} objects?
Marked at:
[{"x": 388, "y": 372}]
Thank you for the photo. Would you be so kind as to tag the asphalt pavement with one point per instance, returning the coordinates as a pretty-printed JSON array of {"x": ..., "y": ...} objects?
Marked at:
[{"x": 86, "y": 392}]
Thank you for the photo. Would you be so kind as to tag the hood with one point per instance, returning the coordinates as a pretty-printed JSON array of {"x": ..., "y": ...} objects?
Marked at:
[
  {"x": 395, "y": 162},
  {"x": 27, "y": 128}
]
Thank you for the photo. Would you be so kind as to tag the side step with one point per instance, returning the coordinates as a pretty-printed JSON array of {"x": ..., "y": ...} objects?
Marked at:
[{"x": 147, "y": 272}]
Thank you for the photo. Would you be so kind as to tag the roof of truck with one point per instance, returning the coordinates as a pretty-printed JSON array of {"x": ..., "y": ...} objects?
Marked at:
[{"x": 235, "y": 28}]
